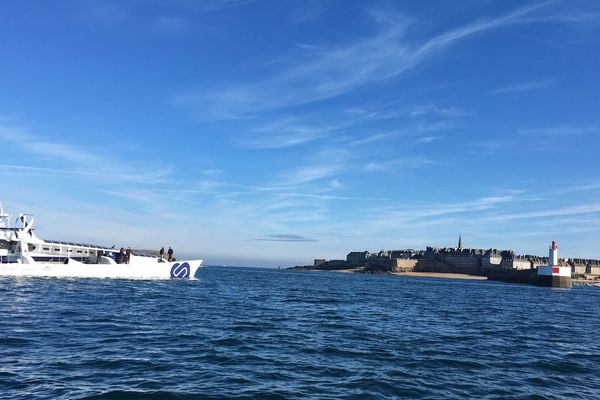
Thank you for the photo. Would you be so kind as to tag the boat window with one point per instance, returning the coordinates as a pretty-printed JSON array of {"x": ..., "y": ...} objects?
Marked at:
[
  {"x": 56, "y": 249},
  {"x": 46, "y": 248}
]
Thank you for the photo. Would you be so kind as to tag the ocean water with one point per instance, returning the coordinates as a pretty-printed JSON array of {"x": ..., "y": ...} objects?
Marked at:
[{"x": 241, "y": 333}]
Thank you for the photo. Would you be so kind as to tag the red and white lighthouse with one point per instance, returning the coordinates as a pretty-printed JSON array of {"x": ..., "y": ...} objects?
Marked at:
[
  {"x": 553, "y": 274},
  {"x": 553, "y": 255}
]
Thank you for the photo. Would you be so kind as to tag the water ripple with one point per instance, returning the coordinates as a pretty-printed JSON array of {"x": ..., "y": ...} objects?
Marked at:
[{"x": 263, "y": 334}]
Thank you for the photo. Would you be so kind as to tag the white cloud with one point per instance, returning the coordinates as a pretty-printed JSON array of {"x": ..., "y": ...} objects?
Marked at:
[
  {"x": 397, "y": 164},
  {"x": 335, "y": 184},
  {"x": 285, "y": 238},
  {"x": 563, "y": 130},
  {"x": 78, "y": 161},
  {"x": 524, "y": 86},
  {"x": 490, "y": 146},
  {"x": 323, "y": 72},
  {"x": 554, "y": 212},
  {"x": 429, "y": 109},
  {"x": 427, "y": 139},
  {"x": 309, "y": 173},
  {"x": 285, "y": 132},
  {"x": 372, "y": 138},
  {"x": 211, "y": 172}
]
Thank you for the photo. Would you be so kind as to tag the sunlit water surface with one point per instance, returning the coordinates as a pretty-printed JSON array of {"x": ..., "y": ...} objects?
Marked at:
[{"x": 241, "y": 333}]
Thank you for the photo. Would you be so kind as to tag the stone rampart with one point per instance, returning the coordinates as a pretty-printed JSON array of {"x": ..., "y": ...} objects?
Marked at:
[
  {"x": 390, "y": 265},
  {"x": 442, "y": 267},
  {"x": 403, "y": 265},
  {"x": 593, "y": 269}
]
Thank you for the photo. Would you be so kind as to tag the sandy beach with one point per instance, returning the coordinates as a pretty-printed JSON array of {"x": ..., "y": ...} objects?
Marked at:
[
  {"x": 441, "y": 275},
  {"x": 417, "y": 274}
]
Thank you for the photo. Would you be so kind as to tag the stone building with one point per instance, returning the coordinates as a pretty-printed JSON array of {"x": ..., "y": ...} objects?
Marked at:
[
  {"x": 583, "y": 266},
  {"x": 357, "y": 258},
  {"x": 480, "y": 259},
  {"x": 512, "y": 261},
  {"x": 491, "y": 259},
  {"x": 451, "y": 259},
  {"x": 405, "y": 254}
]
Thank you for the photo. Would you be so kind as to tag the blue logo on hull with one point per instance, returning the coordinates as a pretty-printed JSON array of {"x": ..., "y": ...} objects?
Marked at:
[{"x": 180, "y": 270}]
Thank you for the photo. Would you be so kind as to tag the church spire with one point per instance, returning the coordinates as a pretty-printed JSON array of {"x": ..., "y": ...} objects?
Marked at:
[{"x": 460, "y": 241}]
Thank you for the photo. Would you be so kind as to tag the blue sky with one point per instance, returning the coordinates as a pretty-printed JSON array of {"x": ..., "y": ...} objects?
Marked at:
[{"x": 275, "y": 132}]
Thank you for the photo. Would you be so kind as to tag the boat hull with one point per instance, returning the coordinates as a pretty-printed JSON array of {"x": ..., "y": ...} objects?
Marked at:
[{"x": 74, "y": 269}]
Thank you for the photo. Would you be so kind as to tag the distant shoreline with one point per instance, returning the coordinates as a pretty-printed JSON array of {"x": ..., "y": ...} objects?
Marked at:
[
  {"x": 446, "y": 275},
  {"x": 442, "y": 275},
  {"x": 415, "y": 274}
]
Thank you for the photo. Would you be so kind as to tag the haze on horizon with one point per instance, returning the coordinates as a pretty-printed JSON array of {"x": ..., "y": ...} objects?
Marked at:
[{"x": 273, "y": 132}]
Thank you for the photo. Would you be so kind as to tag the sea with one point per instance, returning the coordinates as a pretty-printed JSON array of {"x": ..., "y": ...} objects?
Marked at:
[{"x": 252, "y": 333}]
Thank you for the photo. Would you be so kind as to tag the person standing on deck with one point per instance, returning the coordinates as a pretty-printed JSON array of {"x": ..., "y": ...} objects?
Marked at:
[
  {"x": 170, "y": 253},
  {"x": 162, "y": 252},
  {"x": 128, "y": 254}
]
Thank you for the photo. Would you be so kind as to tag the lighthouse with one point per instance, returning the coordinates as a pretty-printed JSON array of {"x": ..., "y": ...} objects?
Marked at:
[
  {"x": 553, "y": 255},
  {"x": 553, "y": 274}
]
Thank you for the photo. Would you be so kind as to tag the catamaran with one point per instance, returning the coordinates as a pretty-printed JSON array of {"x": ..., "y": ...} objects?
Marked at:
[{"x": 23, "y": 253}]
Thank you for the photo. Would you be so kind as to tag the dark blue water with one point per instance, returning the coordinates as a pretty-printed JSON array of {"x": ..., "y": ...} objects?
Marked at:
[{"x": 268, "y": 334}]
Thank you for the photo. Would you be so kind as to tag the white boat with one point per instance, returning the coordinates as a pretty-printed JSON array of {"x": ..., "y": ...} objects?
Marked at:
[{"x": 22, "y": 253}]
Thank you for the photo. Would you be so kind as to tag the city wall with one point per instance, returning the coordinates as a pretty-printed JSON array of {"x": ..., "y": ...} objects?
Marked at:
[{"x": 479, "y": 262}]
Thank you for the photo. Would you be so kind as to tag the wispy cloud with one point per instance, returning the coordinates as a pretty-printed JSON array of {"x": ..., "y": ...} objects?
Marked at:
[
  {"x": 211, "y": 172},
  {"x": 45, "y": 149},
  {"x": 563, "y": 130},
  {"x": 285, "y": 132},
  {"x": 555, "y": 212},
  {"x": 582, "y": 187},
  {"x": 213, "y": 5},
  {"x": 310, "y": 173},
  {"x": 585, "y": 18},
  {"x": 172, "y": 16},
  {"x": 372, "y": 138},
  {"x": 323, "y": 72},
  {"x": 285, "y": 238},
  {"x": 108, "y": 174},
  {"x": 525, "y": 86},
  {"x": 435, "y": 210},
  {"x": 432, "y": 109},
  {"x": 397, "y": 164},
  {"x": 427, "y": 139},
  {"x": 490, "y": 146},
  {"x": 111, "y": 11},
  {"x": 516, "y": 17},
  {"x": 76, "y": 161},
  {"x": 172, "y": 23},
  {"x": 309, "y": 10},
  {"x": 436, "y": 214}
]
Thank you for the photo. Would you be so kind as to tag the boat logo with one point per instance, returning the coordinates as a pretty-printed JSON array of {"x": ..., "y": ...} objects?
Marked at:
[{"x": 180, "y": 270}]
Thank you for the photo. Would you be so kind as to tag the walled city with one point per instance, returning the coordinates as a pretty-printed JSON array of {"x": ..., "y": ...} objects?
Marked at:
[{"x": 450, "y": 260}]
